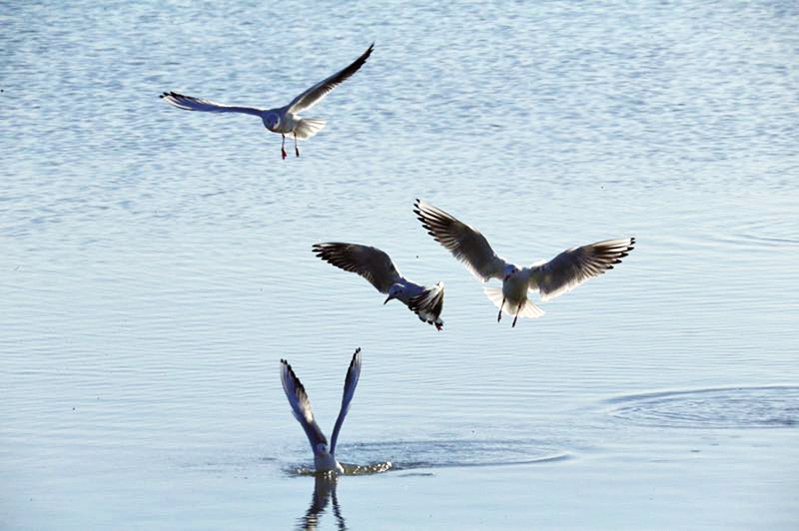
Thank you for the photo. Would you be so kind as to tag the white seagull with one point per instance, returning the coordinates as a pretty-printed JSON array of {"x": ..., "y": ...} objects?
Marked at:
[
  {"x": 563, "y": 273},
  {"x": 284, "y": 120},
  {"x": 376, "y": 266},
  {"x": 324, "y": 457}
]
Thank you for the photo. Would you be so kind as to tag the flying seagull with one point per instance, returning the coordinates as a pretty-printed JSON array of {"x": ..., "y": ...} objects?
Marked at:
[
  {"x": 376, "y": 266},
  {"x": 284, "y": 120},
  {"x": 563, "y": 273},
  {"x": 324, "y": 457}
]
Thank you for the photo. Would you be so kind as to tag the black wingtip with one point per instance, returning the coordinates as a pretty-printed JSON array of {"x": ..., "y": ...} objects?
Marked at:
[{"x": 354, "y": 357}]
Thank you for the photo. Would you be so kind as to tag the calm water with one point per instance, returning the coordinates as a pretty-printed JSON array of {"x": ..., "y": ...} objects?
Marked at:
[{"x": 156, "y": 265}]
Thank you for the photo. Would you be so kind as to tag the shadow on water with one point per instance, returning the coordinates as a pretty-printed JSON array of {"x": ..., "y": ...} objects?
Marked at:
[{"x": 720, "y": 408}]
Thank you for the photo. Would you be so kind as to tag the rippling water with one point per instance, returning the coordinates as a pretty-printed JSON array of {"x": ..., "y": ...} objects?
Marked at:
[{"x": 156, "y": 265}]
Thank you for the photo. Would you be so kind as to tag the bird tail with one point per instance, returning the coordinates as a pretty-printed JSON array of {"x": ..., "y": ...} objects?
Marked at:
[
  {"x": 306, "y": 128},
  {"x": 528, "y": 309},
  {"x": 428, "y": 305}
]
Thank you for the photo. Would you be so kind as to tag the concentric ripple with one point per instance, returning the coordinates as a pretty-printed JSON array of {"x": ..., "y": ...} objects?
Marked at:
[
  {"x": 410, "y": 455},
  {"x": 406, "y": 455},
  {"x": 725, "y": 408}
]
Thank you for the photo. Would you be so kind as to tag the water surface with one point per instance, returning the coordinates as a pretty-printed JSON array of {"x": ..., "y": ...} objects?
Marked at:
[{"x": 156, "y": 265}]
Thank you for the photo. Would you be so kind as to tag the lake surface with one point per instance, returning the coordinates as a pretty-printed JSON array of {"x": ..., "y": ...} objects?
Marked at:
[{"x": 155, "y": 265}]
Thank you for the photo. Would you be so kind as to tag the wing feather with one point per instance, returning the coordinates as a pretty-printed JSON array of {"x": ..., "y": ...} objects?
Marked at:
[
  {"x": 369, "y": 262},
  {"x": 300, "y": 405},
  {"x": 350, "y": 383},
  {"x": 574, "y": 266},
  {"x": 190, "y": 103},
  {"x": 465, "y": 243},
  {"x": 316, "y": 93}
]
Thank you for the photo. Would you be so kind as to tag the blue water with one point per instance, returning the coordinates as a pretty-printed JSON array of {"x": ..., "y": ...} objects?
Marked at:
[{"x": 155, "y": 265}]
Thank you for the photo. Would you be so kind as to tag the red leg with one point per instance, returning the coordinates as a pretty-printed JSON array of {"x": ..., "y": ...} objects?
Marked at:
[{"x": 283, "y": 147}]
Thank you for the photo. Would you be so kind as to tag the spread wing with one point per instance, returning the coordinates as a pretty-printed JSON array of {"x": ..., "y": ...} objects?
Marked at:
[
  {"x": 350, "y": 383},
  {"x": 465, "y": 243},
  {"x": 574, "y": 266},
  {"x": 371, "y": 263},
  {"x": 315, "y": 94},
  {"x": 300, "y": 405},
  {"x": 190, "y": 103}
]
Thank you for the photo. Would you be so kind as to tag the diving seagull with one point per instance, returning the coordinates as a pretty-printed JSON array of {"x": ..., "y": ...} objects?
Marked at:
[
  {"x": 563, "y": 273},
  {"x": 324, "y": 457},
  {"x": 284, "y": 120},
  {"x": 376, "y": 266}
]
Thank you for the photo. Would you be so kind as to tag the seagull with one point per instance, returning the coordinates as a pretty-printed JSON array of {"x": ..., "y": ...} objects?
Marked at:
[
  {"x": 324, "y": 458},
  {"x": 563, "y": 273},
  {"x": 376, "y": 266},
  {"x": 284, "y": 120}
]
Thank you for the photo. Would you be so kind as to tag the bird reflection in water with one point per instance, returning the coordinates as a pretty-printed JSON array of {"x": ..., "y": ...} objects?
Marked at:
[{"x": 324, "y": 490}]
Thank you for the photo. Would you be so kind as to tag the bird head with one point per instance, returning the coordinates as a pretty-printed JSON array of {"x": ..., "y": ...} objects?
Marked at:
[
  {"x": 271, "y": 121},
  {"x": 510, "y": 270},
  {"x": 394, "y": 292}
]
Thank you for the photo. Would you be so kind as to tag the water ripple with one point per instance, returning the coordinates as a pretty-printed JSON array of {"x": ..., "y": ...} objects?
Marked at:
[{"x": 725, "y": 408}]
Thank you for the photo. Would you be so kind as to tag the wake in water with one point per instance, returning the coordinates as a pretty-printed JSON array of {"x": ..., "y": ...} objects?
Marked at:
[{"x": 413, "y": 455}]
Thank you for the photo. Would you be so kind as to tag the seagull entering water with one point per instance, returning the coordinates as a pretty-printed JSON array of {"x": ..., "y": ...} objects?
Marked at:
[
  {"x": 563, "y": 273},
  {"x": 376, "y": 266},
  {"x": 324, "y": 457},
  {"x": 284, "y": 120}
]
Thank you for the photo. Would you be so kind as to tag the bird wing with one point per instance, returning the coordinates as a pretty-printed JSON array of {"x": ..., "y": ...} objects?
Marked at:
[
  {"x": 350, "y": 383},
  {"x": 465, "y": 243},
  {"x": 371, "y": 263},
  {"x": 300, "y": 405},
  {"x": 574, "y": 266},
  {"x": 316, "y": 93},
  {"x": 190, "y": 103}
]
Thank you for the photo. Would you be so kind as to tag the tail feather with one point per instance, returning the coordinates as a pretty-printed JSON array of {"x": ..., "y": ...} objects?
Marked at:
[
  {"x": 528, "y": 309},
  {"x": 306, "y": 128},
  {"x": 428, "y": 305}
]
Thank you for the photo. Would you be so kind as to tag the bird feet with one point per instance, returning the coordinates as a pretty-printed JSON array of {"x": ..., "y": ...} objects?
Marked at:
[
  {"x": 283, "y": 153},
  {"x": 296, "y": 151}
]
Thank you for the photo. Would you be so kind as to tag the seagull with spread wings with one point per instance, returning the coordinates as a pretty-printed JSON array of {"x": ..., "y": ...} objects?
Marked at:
[
  {"x": 376, "y": 266},
  {"x": 324, "y": 455},
  {"x": 563, "y": 273},
  {"x": 284, "y": 120}
]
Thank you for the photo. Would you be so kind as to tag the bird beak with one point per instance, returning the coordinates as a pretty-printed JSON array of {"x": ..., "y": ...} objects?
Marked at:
[{"x": 388, "y": 299}]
